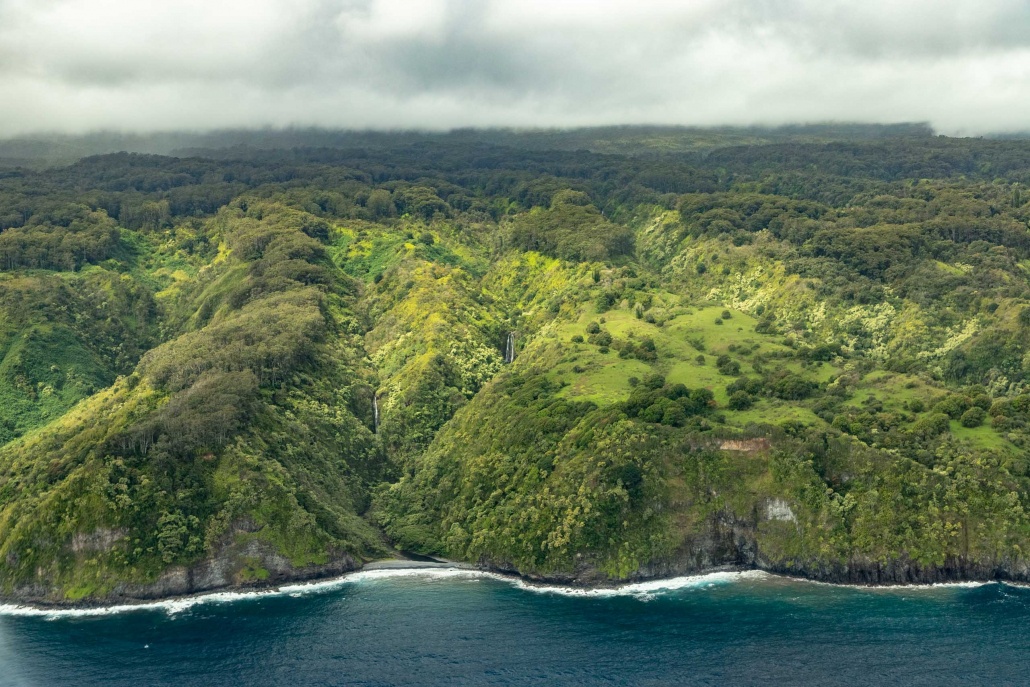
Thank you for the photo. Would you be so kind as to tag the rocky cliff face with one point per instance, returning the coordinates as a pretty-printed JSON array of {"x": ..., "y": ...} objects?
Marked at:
[
  {"x": 252, "y": 565},
  {"x": 725, "y": 542},
  {"x": 730, "y": 543}
]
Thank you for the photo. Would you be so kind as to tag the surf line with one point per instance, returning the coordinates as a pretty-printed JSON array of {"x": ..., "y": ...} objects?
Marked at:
[
  {"x": 642, "y": 590},
  {"x": 180, "y": 604}
]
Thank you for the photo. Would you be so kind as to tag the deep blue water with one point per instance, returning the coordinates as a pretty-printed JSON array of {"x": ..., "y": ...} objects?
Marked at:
[{"x": 462, "y": 630}]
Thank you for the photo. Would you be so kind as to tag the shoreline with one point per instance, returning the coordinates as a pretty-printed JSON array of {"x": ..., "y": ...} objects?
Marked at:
[{"x": 399, "y": 567}]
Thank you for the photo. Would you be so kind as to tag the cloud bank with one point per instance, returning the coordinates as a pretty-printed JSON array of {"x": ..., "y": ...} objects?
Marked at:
[{"x": 80, "y": 65}]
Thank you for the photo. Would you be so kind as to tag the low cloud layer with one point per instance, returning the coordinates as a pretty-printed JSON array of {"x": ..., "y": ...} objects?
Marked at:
[{"x": 79, "y": 65}]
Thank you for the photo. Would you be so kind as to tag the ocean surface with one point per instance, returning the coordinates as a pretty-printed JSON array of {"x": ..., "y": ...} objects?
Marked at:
[{"x": 441, "y": 627}]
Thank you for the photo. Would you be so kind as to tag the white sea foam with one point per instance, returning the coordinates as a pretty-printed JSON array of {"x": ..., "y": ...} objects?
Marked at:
[
  {"x": 175, "y": 606},
  {"x": 930, "y": 587},
  {"x": 889, "y": 587},
  {"x": 640, "y": 590},
  {"x": 647, "y": 589}
]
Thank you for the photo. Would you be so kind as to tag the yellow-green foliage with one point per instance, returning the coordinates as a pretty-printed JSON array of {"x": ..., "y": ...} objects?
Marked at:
[
  {"x": 710, "y": 357},
  {"x": 201, "y": 445}
]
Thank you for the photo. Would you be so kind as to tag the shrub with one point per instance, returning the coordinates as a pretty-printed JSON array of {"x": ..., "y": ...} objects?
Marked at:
[
  {"x": 741, "y": 400},
  {"x": 654, "y": 381},
  {"x": 931, "y": 425},
  {"x": 725, "y": 315},
  {"x": 606, "y": 301},
  {"x": 674, "y": 415},
  {"x": 982, "y": 401},
  {"x": 765, "y": 326},
  {"x": 727, "y": 366},
  {"x": 1024, "y": 317},
  {"x": 593, "y": 328},
  {"x": 953, "y": 406},
  {"x": 973, "y": 417},
  {"x": 653, "y": 413},
  {"x": 793, "y": 388}
]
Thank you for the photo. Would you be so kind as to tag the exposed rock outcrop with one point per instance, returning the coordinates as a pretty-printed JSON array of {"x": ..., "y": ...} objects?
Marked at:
[{"x": 232, "y": 568}]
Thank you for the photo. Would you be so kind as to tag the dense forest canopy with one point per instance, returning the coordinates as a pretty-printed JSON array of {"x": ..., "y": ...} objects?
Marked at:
[{"x": 588, "y": 354}]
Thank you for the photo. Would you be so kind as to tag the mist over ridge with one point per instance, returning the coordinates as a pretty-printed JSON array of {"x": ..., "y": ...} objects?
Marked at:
[
  {"x": 75, "y": 66},
  {"x": 47, "y": 149}
]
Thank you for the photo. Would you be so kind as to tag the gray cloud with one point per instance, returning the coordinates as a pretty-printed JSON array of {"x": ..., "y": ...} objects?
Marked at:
[{"x": 76, "y": 65}]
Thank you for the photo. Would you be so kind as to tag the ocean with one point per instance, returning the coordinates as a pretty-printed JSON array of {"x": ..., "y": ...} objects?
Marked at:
[{"x": 450, "y": 627}]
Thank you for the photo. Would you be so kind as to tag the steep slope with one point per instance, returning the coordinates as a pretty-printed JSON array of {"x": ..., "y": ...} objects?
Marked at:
[
  {"x": 575, "y": 366},
  {"x": 231, "y": 454},
  {"x": 741, "y": 414}
]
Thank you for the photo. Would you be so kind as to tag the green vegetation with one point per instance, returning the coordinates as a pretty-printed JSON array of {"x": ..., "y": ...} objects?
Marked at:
[{"x": 562, "y": 363}]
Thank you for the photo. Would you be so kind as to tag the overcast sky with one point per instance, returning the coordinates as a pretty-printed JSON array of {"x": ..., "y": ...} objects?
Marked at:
[{"x": 80, "y": 65}]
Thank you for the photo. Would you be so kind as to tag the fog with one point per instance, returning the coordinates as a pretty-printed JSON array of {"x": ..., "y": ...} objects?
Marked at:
[{"x": 80, "y": 65}]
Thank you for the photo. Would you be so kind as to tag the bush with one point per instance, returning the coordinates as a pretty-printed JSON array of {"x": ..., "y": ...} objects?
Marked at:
[
  {"x": 727, "y": 366},
  {"x": 983, "y": 401},
  {"x": 973, "y": 417},
  {"x": 725, "y": 315},
  {"x": 593, "y": 328},
  {"x": 674, "y": 415},
  {"x": 765, "y": 326},
  {"x": 606, "y": 301},
  {"x": 741, "y": 400},
  {"x": 953, "y": 406},
  {"x": 653, "y": 413},
  {"x": 753, "y": 387},
  {"x": 931, "y": 425},
  {"x": 654, "y": 381},
  {"x": 793, "y": 388}
]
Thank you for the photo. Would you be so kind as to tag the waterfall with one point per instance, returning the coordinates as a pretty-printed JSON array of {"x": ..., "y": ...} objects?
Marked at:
[
  {"x": 509, "y": 349},
  {"x": 375, "y": 412}
]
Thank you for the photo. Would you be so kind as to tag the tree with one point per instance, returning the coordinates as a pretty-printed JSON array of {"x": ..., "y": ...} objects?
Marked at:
[
  {"x": 973, "y": 417},
  {"x": 740, "y": 400},
  {"x": 380, "y": 204}
]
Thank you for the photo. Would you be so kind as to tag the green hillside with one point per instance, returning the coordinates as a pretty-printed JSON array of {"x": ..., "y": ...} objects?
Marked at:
[{"x": 235, "y": 369}]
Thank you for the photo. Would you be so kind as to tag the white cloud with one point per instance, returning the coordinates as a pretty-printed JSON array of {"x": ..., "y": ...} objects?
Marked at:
[{"x": 76, "y": 65}]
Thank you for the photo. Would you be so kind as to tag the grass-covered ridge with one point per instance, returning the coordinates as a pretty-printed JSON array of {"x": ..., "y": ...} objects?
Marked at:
[{"x": 790, "y": 355}]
